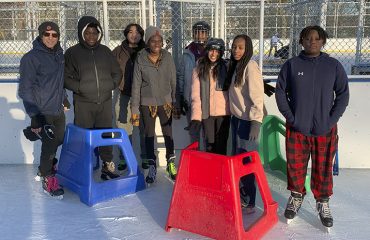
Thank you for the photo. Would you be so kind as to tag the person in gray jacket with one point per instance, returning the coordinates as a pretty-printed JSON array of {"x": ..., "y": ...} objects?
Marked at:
[
  {"x": 152, "y": 95},
  {"x": 191, "y": 54}
]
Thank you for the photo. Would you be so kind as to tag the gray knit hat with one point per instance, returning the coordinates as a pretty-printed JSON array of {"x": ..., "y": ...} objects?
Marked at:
[
  {"x": 48, "y": 26},
  {"x": 152, "y": 31}
]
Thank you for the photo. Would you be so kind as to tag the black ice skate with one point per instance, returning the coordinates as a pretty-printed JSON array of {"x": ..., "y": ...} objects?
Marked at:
[
  {"x": 326, "y": 218},
  {"x": 152, "y": 171},
  {"x": 294, "y": 204},
  {"x": 107, "y": 171},
  {"x": 51, "y": 187},
  {"x": 244, "y": 201}
]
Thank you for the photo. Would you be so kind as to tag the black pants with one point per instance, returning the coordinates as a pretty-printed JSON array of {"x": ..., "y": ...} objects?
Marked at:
[
  {"x": 49, "y": 147},
  {"x": 149, "y": 131},
  {"x": 216, "y": 131},
  {"x": 95, "y": 116}
]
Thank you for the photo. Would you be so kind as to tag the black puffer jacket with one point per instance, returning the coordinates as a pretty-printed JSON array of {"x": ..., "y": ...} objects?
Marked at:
[{"x": 91, "y": 72}]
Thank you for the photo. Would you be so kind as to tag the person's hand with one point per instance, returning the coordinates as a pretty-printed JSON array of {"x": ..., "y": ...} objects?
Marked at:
[
  {"x": 135, "y": 119},
  {"x": 268, "y": 89},
  {"x": 194, "y": 127},
  {"x": 37, "y": 122},
  {"x": 176, "y": 113},
  {"x": 254, "y": 130}
]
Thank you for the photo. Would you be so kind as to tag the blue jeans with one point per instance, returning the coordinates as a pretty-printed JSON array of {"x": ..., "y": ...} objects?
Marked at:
[{"x": 240, "y": 134}]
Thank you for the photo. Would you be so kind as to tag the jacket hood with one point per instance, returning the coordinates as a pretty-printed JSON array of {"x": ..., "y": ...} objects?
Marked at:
[
  {"x": 305, "y": 57},
  {"x": 83, "y": 24}
]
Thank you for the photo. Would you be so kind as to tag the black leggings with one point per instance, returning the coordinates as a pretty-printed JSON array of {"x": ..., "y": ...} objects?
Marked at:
[
  {"x": 149, "y": 131},
  {"x": 216, "y": 131}
]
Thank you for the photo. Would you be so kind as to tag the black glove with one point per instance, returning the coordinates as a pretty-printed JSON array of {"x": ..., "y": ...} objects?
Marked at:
[
  {"x": 254, "y": 130},
  {"x": 46, "y": 133},
  {"x": 268, "y": 89},
  {"x": 194, "y": 127},
  {"x": 38, "y": 121}
]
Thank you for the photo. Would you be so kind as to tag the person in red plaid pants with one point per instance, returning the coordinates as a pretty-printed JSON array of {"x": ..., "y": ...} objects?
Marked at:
[{"x": 312, "y": 94}]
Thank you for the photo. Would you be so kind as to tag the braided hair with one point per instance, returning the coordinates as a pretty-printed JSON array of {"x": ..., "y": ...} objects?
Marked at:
[{"x": 243, "y": 62}]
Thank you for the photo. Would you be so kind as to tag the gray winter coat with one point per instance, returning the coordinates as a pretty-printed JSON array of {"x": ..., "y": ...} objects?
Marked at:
[{"x": 153, "y": 86}]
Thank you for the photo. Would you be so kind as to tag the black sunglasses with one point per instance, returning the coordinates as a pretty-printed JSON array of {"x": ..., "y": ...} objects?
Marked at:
[{"x": 46, "y": 34}]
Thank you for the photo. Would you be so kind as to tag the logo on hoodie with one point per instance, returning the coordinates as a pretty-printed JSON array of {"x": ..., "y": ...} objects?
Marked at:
[{"x": 300, "y": 73}]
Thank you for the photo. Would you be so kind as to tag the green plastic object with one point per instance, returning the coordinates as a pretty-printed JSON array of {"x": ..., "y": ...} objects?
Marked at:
[{"x": 269, "y": 146}]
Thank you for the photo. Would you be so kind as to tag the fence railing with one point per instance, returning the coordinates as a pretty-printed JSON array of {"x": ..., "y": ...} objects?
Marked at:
[{"x": 347, "y": 22}]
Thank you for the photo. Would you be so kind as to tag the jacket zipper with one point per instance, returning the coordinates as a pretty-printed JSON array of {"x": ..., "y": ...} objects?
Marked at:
[{"x": 97, "y": 77}]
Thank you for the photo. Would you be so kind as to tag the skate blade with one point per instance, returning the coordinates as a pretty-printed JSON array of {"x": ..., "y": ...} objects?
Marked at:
[
  {"x": 169, "y": 179},
  {"x": 60, "y": 197},
  {"x": 37, "y": 178},
  {"x": 288, "y": 221}
]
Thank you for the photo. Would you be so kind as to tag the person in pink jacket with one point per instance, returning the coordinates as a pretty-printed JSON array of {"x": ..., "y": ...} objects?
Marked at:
[
  {"x": 246, "y": 106},
  {"x": 210, "y": 99}
]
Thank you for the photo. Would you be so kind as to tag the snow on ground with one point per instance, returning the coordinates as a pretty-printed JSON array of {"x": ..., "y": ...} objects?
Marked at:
[{"x": 27, "y": 213}]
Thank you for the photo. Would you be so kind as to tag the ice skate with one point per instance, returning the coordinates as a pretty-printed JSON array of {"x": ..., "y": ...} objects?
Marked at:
[
  {"x": 171, "y": 168},
  {"x": 107, "y": 171},
  {"x": 244, "y": 202},
  {"x": 38, "y": 177},
  {"x": 294, "y": 204},
  {"x": 51, "y": 187},
  {"x": 152, "y": 172},
  {"x": 325, "y": 216}
]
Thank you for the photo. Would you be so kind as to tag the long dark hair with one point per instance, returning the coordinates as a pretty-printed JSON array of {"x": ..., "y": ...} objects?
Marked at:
[
  {"x": 204, "y": 65},
  {"x": 242, "y": 62}
]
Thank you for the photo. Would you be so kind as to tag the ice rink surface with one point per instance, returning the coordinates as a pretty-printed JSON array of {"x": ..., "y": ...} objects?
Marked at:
[{"x": 27, "y": 213}]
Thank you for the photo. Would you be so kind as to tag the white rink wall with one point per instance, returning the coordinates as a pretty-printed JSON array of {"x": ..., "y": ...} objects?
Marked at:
[{"x": 354, "y": 130}]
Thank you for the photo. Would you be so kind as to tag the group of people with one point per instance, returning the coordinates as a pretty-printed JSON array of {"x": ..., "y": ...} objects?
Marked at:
[{"x": 214, "y": 95}]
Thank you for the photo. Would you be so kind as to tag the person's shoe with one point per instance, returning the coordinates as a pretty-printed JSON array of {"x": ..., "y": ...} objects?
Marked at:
[
  {"x": 107, "y": 171},
  {"x": 244, "y": 199},
  {"x": 144, "y": 163},
  {"x": 122, "y": 165},
  {"x": 152, "y": 171},
  {"x": 171, "y": 168},
  {"x": 38, "y": 176},
  {"x": 294, "y": 204},
  {"x": 250, "y": 209},
  {"x": 322, "y": 207},
  {"x": 51, "y": 187}
]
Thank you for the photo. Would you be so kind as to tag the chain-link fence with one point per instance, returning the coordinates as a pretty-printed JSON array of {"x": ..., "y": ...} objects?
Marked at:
[{"x": 347, "y": 23}]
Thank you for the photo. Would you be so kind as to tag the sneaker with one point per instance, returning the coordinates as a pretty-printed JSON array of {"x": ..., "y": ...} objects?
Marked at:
[
  {"x": 144, "y": 163},
  {"x": 107, "y": 171},
  {"x": 294, "y": 204},
  {"x": 322, "y": 207},
  {"x": 171, "y": 168},
  {"x": 152, "y": 171},
  {"x": 51, "y": 186},
  {"x": 122, "y": 165}
]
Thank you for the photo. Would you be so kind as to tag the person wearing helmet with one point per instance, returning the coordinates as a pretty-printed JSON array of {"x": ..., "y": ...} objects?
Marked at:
[
  {"x": 209, "y": 99},
  {"x": 246, "y": 106},
  {"x": 191, "y": 54}
]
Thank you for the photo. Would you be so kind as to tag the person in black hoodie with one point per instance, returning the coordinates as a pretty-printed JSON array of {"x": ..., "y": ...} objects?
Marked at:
[
  {"x": 312, "y": 94},
  {"x": 91, "y": 73},
  {"x": 44, "y": 99}
]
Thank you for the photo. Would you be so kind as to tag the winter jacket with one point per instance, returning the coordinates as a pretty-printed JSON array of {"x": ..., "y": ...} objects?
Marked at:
[
  {"x": 217, "y": 100},
  {"x": 184, "y": 72},
  {"x": 91, "y": 72},
  {"x": 153, "y": 86},
  {"x": 246, "y": 100},
  {"x": 312, "y": 93},
  {"x": 125, "y": 57},
  {"x": 41, "y": 80}
]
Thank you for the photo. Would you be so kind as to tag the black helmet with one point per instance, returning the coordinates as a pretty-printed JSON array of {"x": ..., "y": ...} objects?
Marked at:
[
  {"x": 216, "y": 44},
  {"x": 200, "y": 26}
]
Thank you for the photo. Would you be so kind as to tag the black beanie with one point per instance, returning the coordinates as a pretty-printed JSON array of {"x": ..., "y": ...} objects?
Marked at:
[{"x": 48, "y": 26}]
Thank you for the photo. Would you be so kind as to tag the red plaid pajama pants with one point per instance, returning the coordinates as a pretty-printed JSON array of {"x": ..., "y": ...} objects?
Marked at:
[{"x": 322, "y": 149}]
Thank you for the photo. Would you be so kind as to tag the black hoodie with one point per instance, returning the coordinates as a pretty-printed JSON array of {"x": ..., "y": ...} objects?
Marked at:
[{"x": 91, "y": 72}]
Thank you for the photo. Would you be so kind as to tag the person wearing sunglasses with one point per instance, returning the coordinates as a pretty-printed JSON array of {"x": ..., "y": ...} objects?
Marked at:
[
  {"x": 92, "y": 73},
  {"x": 44, "y": 98}
]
